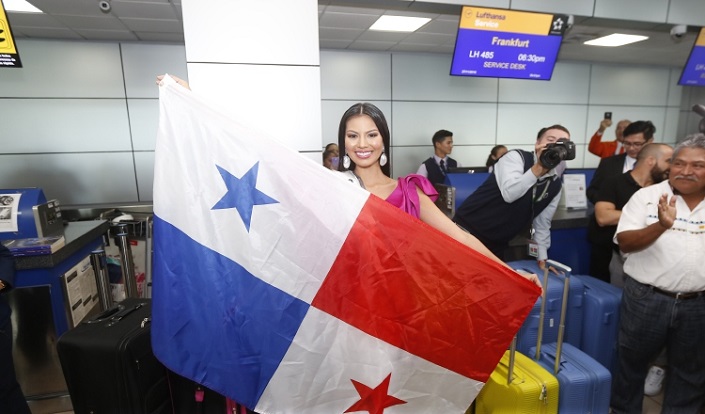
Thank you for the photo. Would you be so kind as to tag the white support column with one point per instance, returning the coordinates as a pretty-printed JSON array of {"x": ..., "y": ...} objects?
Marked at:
[{"x": 259, "y": 60}]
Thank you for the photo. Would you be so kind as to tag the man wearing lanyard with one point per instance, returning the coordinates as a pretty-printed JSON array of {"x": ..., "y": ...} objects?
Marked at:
[
  {"x": 520, "y": 192},
  {"x": 436, "y": 167},
  {"x": 662, "y": 229}
]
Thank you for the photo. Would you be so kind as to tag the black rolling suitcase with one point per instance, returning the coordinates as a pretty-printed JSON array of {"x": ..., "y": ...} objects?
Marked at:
[{"x": 109, "y": 365}]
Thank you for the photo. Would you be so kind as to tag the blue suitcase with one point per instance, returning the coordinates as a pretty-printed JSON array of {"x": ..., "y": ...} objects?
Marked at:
[
  {"x": 528, "y": 333},
  {"x": 584, "y": 383},
  {"x": 601, "y": 321}
]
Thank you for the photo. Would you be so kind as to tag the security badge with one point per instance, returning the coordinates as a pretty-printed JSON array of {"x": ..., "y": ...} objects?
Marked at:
[{"x": 532, "y": 246}]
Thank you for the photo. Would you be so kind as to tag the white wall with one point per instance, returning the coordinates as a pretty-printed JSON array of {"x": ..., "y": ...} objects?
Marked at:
[
  {"x": 80, "y": 119},
  {"x": 418, "y": 98}
]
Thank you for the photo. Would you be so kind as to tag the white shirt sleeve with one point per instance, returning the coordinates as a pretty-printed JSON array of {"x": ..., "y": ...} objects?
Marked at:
[
  {"x": 542, "y": 226},
  {"x": 422, "y": 170},
  {"x": 634, "y": 213},
  {"x": 513, "y": 182}
]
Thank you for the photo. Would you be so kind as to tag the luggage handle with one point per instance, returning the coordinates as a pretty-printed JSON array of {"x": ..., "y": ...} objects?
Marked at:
[
  {"x": 513, "y": 344},
  {"x": 115, "y": 314},
  {"x": 564, "y": 307},
  {"x": 510, "y": 367}
]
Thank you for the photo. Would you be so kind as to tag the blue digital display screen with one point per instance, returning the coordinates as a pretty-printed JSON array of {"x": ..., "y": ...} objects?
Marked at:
[
  {"x": 507, "y": 44},
  {"x": 694, "y": 71}
]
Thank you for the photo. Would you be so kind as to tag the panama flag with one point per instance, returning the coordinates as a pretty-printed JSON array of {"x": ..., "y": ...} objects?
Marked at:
[{"x": 283, "y": 286}]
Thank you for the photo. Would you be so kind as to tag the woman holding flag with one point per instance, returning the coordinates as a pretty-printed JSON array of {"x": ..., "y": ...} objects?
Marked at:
[{"x": 364, "y": 135}]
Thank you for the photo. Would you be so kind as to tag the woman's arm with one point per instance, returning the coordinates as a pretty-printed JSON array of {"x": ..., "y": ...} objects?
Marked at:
[{"x": 431, "y": 215}]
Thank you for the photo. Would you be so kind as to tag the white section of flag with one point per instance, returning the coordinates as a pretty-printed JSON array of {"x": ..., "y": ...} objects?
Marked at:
[
  {"x": 275, "y": 253},
  {"x": 321, "y": 366}
]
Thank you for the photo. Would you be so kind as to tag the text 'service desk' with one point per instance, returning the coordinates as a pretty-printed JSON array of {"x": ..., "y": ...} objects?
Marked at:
[{"x": 40, "y": 312}]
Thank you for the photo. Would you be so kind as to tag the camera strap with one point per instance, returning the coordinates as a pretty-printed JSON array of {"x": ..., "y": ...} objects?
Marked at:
[{"x": 546, "y": 183}]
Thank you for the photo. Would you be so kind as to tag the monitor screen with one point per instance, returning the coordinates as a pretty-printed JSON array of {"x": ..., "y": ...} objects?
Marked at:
[
  {"x": 468, "y": 170},
  {"x": 507, "y": 44},
  {"x": 694, "y": 71}
]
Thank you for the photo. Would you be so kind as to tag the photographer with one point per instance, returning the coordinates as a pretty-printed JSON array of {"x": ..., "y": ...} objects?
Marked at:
[{"x": 522, "y": 190}]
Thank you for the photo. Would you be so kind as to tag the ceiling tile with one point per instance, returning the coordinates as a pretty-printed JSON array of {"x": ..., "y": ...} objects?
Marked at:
[
  {"x": 154, "y": 25},
  {"x": 440, "y": 26},
  {"x": 123, "y": 35},
  {"x": 374, "y": 36},
  {"x": 69, "y": 7},
  {"x": 35, "y": 20},
  {"x": 137, "y": 10},
  {"x": 50, "y": 33},
  {"x": 428, "y": 38},
  {"x": 333, "y": 44},
  {"x": 91, "y": 22},
  {"x": 339, "y": 34},
  {"x": 347, "y": 21},
  {"x": 368, "y": 45},
  {"x": 354, "y": 10},
  {"x": 161, "y": 37}
]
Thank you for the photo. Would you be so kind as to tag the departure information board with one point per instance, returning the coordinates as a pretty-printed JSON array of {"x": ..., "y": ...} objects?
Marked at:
[
  {"x": 694, "y": 71},
  {"x": 507, "y": 44}
]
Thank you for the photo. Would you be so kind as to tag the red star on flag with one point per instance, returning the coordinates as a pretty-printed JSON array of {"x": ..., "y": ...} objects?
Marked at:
[{"x": 374, "y": 400}]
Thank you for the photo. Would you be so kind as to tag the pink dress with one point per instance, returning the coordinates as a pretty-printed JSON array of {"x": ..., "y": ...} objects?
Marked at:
[{"x": 405, "y": 196}]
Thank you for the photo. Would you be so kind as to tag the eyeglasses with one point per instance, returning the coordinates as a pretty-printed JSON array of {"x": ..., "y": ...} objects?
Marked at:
[{"x": 634, "y": 144}]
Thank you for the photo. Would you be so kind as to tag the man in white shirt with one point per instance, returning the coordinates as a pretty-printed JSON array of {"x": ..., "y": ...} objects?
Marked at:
[
  {"x": 435, "y": 168},
  {"x": 662, "y": 228}
]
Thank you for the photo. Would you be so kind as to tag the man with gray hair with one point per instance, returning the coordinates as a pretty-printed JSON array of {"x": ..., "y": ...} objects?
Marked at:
[{"x": 662, "y": 227}]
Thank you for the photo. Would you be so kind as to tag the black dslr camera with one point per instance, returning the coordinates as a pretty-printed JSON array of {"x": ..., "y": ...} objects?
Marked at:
[{"x": 556, "y": 152}]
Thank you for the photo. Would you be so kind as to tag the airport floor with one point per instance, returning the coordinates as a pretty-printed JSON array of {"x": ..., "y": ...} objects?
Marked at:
[{"x": 652, "y": 405}]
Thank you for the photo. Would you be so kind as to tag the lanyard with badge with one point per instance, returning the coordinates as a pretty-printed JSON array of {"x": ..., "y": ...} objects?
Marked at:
[{"x": 533, "y": 246}]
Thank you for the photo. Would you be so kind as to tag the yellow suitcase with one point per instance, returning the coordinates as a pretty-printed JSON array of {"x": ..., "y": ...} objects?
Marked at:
[{"x": 518, "y": 385}]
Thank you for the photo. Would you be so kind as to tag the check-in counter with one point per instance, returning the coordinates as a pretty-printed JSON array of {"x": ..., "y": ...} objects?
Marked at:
[
  {"x": 569, "y": 243},
  {"x": 42, "y": 312}
]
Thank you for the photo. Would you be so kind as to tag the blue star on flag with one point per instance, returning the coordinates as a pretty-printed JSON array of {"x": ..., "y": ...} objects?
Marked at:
[{"x": 242, "y": 194}]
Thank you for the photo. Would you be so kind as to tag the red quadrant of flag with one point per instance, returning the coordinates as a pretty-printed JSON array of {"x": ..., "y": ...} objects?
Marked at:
[{"x": 424, "y": 292}]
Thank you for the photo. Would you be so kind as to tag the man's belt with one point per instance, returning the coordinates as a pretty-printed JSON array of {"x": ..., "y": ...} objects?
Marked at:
[{"x": 679, "y": 295}]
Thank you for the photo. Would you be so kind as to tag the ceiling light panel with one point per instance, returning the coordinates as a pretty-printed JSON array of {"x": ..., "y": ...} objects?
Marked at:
[
  {"x": 616, "y": 39},
  {"x": 399, "y": 23}
]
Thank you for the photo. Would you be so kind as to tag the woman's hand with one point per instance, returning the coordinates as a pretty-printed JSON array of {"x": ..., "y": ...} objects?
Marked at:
[
  {"x": 531, "y": 277},
  {"x": 178, "y": 80},
  {"x": 534, "y": 278}
]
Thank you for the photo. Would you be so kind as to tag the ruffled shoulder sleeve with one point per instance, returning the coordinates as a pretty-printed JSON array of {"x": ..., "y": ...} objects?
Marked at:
[{"x": 405, "y": 196}]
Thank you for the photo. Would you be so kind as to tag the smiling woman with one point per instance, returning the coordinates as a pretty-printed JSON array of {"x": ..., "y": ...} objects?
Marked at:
[{"x": 363, "y": 135}]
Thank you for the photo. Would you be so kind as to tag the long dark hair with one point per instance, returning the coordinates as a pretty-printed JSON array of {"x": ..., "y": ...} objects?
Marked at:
[
  {"x": 365, "y": 108},
  {"x": 491, "y": 159}
]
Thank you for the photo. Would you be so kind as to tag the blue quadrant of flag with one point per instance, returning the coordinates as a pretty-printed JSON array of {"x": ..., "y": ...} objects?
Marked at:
[{"x": 250, "y": 324}]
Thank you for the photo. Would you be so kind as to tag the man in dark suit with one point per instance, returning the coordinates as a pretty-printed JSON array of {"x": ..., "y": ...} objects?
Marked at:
[
  {"x": 11, "y": 398},
  {"x": 636, "y": 135},
  {"x": 436, "y": 167}
]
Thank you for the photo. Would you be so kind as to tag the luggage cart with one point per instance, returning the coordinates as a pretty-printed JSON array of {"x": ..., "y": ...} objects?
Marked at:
[{"x": 130, "y": 244}]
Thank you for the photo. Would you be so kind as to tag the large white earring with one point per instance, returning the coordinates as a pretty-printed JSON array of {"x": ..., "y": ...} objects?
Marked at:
[
  {"x": 346, "y": 162},
  {"x": 383, "y": 159}
]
